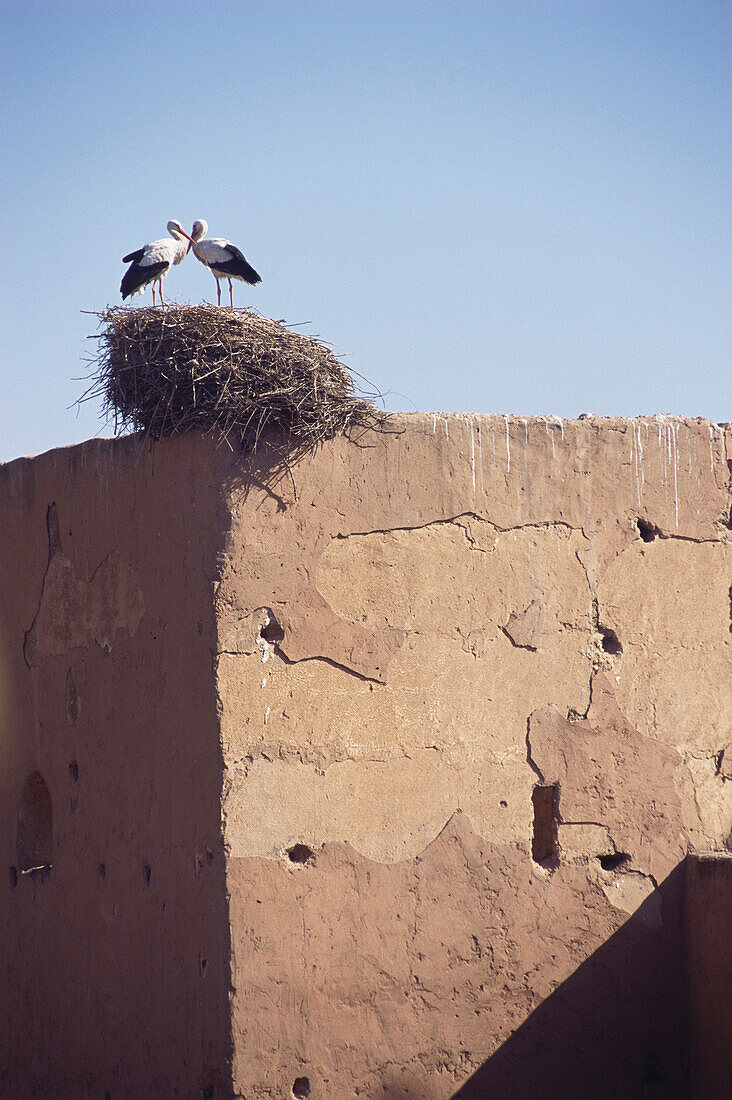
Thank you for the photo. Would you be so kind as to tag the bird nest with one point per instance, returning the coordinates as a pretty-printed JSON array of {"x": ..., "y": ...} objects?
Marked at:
[{"x": 227, "y": 371}]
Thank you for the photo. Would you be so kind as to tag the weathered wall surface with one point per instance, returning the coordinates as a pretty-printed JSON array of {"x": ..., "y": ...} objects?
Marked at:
[
  {"x": 113, "y": 962},
  {"x": 413, "y": 635},
  {"x": 374, "y": 780}
]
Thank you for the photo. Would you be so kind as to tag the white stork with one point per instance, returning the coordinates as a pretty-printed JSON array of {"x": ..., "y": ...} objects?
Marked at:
[
  {"x": 152, "y": 262},
  {"x": 222, "y": 257}
]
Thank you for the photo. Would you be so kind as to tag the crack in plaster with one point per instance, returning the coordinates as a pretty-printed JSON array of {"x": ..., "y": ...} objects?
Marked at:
[
  {"x": 529, "y": 757},
  {"x": 348, "y": 668},
  {"x": 664, "y": 536},
  {"x": 333, "y": 663},
  {"x": 454, "y": 520},
  {"x": 302, "y": 660}
]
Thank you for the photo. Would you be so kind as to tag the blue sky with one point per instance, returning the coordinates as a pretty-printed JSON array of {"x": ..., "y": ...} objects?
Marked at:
[{"x": 512, "y": 207}]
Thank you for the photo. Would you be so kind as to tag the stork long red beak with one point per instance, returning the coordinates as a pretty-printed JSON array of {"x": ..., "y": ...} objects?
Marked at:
[{"x": 189, "y": 239}]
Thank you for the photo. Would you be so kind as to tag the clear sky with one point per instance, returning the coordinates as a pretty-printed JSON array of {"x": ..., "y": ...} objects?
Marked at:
[{"x": 512, "y": 206}]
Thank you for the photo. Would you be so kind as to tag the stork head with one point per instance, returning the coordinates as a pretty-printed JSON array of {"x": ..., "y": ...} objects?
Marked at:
[
  {"x": 176, "y": 230},
  {"x": 198, "y": 230}
]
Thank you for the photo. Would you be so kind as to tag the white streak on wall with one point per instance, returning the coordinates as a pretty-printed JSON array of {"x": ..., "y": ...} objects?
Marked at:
[
  {"x": 472, "y": 449},
  {"x": 661, "y": 421},
  {"x": 550, "y": 433},
  {"x": 642, "y": 456},
  {"x": 640, "y": 477},
  {"x": 508, "y": 448},
  {"x": 673, "y": 432}
]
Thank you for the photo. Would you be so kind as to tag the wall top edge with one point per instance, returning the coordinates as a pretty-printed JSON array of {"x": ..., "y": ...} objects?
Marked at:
[{"x": 134, "y": 441}]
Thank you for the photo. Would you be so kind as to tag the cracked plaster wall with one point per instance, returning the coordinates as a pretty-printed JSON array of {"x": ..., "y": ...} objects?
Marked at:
[
  {"x": 299, "y": 723},
  {"x": 434, "y": 589},
  {"x": 415, "y": 633}
]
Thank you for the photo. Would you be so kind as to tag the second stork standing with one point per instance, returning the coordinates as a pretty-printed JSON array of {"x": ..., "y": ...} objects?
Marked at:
[{"x": 223, "y": 259}]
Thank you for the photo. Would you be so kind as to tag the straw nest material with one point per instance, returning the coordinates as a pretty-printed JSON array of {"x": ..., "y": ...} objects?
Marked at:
[{"x": 229, "y": 371}]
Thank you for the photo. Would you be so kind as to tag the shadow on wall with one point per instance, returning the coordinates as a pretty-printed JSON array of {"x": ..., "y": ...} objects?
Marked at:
[
  {"x": 616, "y": 1028},
  {"x": 269, "y": 468}
]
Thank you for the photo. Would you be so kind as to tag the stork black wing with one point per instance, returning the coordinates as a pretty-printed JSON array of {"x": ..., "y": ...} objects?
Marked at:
[
  {"x": 133, "y": 257},
  {"x": 138, "y": 276},
  {"x": 237, "y": 267}
]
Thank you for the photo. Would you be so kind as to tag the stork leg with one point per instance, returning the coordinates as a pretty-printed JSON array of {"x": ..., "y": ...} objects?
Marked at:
[
  {"x": 153, "y": 290},
  {"x": 218, "y": 292},
  {"x": 231, "y": 294},
  {"x": 160, "y": 288}
]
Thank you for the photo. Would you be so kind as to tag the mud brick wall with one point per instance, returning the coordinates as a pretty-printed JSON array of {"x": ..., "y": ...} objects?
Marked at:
[{"x": 372, "y": 779}]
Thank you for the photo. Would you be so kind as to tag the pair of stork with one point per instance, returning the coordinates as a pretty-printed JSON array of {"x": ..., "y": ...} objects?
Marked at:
[{"x": 152, "y": 262}]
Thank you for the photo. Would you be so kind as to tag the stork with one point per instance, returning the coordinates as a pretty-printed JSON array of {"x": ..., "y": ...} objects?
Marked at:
[
  {"x": 152, "y": 262},
  {"x": 222, "y": 257}
]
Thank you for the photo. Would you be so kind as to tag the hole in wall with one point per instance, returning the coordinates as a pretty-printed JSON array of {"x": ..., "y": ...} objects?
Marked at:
[
  {"x": 300, "y": 853},
  {"x": 613, "y": 860},
  {"x": 544, "y": 848},
  {"x": 13, "y": 877},
  {"x": 654, "y": 1083},
  {"x": 35, "y": 825},
  {"x": 102, "y": 869},
  {"x": 203, "y": 965},
  {"x": 647, "y": 531},
  {"x": 301, "y": 1087},
  {"x": 74, "y": 771},
  {"x": 147, "y": 873},
  {"x": 272, "y": 631},
  {"x": 610, "y": 641}
]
